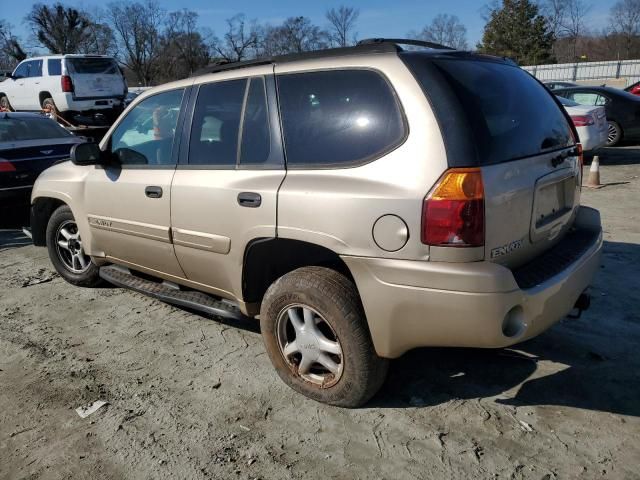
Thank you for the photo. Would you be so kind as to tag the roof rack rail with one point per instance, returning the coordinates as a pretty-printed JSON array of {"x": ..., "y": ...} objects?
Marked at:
[{"x": 405, "y": 41}]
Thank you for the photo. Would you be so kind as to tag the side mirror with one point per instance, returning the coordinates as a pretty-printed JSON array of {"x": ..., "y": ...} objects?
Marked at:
[{"x": 87, "y": 154}]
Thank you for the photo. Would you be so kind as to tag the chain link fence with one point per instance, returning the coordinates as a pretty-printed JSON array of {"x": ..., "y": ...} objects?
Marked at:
[{"x": 619, "y": 73}]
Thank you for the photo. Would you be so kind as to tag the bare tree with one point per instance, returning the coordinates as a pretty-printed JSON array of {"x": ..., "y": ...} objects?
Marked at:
[
  {"x": 183, "y": 46},
  {"x": 624, "y": 23},
  {"x": 342, "y": 23},
  {"x": 295, "y": 35},
  {"x": 58, "y": 28},
  {"x": 574, "y": 22},
  {"x": 555, "y": 12},
  {"x": 11, "y": 52},
  {"x": 137, "y": 26},
  {"x": 239, "y": 42},
  {"x": 447, "y": 30}
]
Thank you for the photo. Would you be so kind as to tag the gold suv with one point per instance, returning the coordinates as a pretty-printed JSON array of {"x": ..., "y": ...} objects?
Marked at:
[{"x": 360, "y": 202}]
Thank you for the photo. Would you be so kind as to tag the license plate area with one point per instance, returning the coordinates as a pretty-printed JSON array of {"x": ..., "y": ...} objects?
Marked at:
[{"x": 553, "y": 205}]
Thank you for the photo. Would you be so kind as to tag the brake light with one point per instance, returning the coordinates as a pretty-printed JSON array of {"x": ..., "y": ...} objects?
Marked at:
[
  {"x": 66, "y": 84},
  {"x": 583, "y": 120},
  {"x": 6, "y": 166},
  {"x": 453, "y": 212}
]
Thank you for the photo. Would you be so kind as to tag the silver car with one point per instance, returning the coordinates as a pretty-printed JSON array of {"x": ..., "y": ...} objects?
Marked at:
[{"x": 359, "y": 202}]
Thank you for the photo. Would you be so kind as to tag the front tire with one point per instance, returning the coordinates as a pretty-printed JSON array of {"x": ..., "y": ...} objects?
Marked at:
[
  {"x": 614, "y": 134},
  {"x": 316, "y": 336},
  {"x": 64, "y": 245}
]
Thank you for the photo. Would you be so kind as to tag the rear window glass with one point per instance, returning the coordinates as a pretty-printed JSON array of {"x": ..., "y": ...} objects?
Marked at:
[
  {"x": 19, "y": 129},
  {"x": 338, "y": 117},
  {"x": 105, "y": 66},
  {"x": 54, "y": 66},
  {"x": 510, "y": 115}
]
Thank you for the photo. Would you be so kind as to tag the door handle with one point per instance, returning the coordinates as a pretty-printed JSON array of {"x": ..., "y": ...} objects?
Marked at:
[
  {"x": 153, "y": 192},
  {"x": 249, "y": 199}
]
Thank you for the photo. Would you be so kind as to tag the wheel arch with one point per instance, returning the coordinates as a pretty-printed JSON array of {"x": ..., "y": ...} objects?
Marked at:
[
  {"x": 41, "y": 210},
  {"x": 267, "y": 259},
  {"x": 44, "y": 95}
]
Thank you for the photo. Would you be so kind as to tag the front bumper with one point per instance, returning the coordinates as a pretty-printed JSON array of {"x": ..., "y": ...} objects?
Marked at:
[{"x": 412, "y": 304}]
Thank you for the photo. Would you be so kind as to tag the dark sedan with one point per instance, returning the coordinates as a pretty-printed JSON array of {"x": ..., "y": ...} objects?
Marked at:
[
  {"x": 29, "y": 144},
  {"x": 622, "y": 108}
]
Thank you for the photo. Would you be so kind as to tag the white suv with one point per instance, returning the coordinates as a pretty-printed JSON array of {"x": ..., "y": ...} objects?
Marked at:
[{"x": 66, "y": 84}]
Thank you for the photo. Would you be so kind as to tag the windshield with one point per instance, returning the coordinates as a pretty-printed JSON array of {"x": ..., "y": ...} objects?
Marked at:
[
  {"x": 20, "y": 129},
  {"x": 104, "y": 66}
]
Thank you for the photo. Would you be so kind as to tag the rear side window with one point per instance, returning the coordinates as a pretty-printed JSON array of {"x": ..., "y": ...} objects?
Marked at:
[
  {"x": 216, "y": 124},
  {"x": 510, "y": 114},
  {"x": 104, "y": 66},
  {"x": 338, "y": 117},
  {"x": 54, "y": 66},
  {"x": 256, "y": 144}
]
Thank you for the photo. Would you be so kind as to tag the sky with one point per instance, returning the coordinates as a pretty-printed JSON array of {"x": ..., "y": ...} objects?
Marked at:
[{"x": 378, "y": 18}]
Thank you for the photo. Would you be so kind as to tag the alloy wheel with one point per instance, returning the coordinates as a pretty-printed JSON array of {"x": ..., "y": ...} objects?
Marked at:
[
  {"x": 310, "y": 346},
  {"x": 69, "y": 247}
]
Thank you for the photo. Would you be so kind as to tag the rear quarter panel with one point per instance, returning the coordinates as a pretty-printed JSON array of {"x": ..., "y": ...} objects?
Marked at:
[{"x": 337, "y": 208}]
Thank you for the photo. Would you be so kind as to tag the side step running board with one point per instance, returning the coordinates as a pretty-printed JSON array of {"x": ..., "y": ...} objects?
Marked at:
[{"x": 199, "y": 301}]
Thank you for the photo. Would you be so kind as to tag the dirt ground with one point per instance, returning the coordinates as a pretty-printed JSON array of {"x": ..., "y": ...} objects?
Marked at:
[{"x": 191, "y": 397}]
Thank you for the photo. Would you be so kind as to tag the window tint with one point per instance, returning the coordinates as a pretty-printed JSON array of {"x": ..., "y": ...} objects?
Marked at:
[
  {"x": 216, "y": 123},
  {"x": 256, "y": 144},
  {"x": 105, "y": 66},
  {"x": 145, "y": 136},
  {"x": 35, "y": 69},
  {"x": 22, "y": 71},
  {"x": 54, "y": 66},
  {"x": 338, "y": 117},
  {"x": 509, "y": 114},
  {"x": 587, "y": 98},
  {"x": 19, "y": 129}
]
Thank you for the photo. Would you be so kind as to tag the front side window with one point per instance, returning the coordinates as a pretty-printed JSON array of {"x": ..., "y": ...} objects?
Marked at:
[
  {"x": 338, "y": 117},
  {"x": 145, "y": 136},
  {"x": 22, "y": 71}
]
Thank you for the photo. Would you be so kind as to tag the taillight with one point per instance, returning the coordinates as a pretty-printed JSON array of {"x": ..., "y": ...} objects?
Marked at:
[
  {"x": 6, "y": 166},
  {"x": 66, "y": 84},
  {"x": 453, "y": 212},
  {"x": 583, "y": 120}
]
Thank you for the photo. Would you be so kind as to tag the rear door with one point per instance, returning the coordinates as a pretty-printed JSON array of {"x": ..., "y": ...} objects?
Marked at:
[
  {"x": 95, "y": 77},
  {"x": 225, "y": 188},
  {"x": 524, "y": 144}
]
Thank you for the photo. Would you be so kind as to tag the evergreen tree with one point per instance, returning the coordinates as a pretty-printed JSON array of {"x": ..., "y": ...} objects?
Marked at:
[{"x": 518, "y": 31}]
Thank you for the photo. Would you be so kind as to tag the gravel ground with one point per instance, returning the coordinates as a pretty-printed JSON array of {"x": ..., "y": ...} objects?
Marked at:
[{"x": 191, "y": 397}]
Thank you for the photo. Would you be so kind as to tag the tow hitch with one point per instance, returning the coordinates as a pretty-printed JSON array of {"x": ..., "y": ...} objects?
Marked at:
[{"x": 583, "y": 303}]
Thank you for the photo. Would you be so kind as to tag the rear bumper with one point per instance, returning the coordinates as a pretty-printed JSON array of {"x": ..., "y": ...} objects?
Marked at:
[
  {"x": 412, "y": 304},
  {"x": 66, "y": 102},
  {"x": 592, "y": 138}
]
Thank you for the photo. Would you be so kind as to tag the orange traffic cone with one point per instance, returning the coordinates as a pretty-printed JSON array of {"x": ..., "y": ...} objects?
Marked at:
[{"x": 593, "y": 180}]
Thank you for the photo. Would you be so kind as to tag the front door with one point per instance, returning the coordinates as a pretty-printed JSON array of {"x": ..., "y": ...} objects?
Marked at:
[
  {"x": 225, "y": 188},
  {"x": 128, "y": 202}
]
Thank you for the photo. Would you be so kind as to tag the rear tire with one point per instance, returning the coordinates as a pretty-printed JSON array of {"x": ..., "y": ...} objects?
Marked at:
[
  {"x": 66, "y": 253},
  {"x": 316, "y": 335},
  {"x": 49, "y": 106},
  {"x": 614, "y": 134},
  {"x": 5, "y": 104}
]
